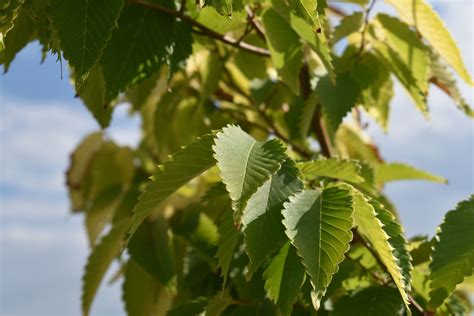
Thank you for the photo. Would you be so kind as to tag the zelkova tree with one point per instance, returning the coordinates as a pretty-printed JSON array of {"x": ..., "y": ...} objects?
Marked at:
[{"x": 247, "y": 193}]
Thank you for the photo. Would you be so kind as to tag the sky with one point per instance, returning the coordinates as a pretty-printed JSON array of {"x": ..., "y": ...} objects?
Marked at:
[{"x": 43, "y": 247}]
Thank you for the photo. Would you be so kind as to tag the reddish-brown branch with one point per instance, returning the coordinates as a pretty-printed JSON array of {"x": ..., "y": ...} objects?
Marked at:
[{"x": 318, "y": 123}]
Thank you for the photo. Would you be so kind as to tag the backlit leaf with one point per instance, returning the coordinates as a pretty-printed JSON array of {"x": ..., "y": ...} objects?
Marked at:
[
  {"x": 420, "y": 14},
  {"x": 285, "y": 48},
  {"x": 348, "y": 170},
  {"x": 388, "y": 172},
  {"x": 348, "y": 25},
  {"x": 374, "y": 231}
]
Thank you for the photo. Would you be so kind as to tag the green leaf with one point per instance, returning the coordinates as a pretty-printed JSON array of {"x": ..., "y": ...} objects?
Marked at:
[
  {"x": 218, "y": 304},
  {"x": 209, "y": 17},
  {"x": 228, "y": 238},
  {"x": 245, "y": 164},
  {"x": 420, "y": 14},
  {"x": 171, "y": 113},
  {"x": 99, "y": 261},
  {"x": 284, "y": 278},
  {"x": 420, "y": 250},
  {"x": 306, "y": 9},
  {"x": 349, "y": 24},
  {"x": 348, "y": 170},
  {"x": 285, "y": 48},
  {"x": 373, "y": 78},
  {"x": 151, "y": 248},
  {"x": 143, "y": 41},
  {"x": 197, "y": 228},
  {"x": 9, "y": 13},
  {"x": 398, "y": 242},
  {"x": 182, "y": 167},
  {"x": 352, "y": 142},
  {"x": 398, "y": 171},
  {"x": 337, "y": 99},
  {"x": 308, "y": 33},
  {"x": 192, "y": 307},
  {"x": 146, "y": 91},
  {"x": 263, "y": 230},
  {"x": 111, "y": 169},
  {"x": 224, "y": 7},
  {"x": 408, "y": 46},
  {"x": 79, "y": 169},
  {"x": 92, "y": 93},
  {"x": 402, "y": 71},
  {"x": 23, "y": 32},
  {"x": 442, "y": 77},
  {"x": 84, "y": 28},
  {"x": 453, "y": 252},
  {"x": 376, "y": 300},
  {"x": 100, "y": 213},
  {"x": 372, "y": 229},
  {"x": 318, "y": 223},
  {"x": 142, "y": 294}
]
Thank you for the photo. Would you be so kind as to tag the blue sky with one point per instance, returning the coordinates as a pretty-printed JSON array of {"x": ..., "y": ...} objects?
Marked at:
[{"x": 43, "y": 247}]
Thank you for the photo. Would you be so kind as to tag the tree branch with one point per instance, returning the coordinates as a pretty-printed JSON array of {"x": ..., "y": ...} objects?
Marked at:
[
  {"x": 204, "y": 30},
  {"x": 258, "y": 28},
  {"x": 318, "y": 123}
]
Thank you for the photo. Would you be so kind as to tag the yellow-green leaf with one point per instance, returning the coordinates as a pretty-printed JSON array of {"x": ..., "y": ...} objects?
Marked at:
[{"x": 420, "y": 14}]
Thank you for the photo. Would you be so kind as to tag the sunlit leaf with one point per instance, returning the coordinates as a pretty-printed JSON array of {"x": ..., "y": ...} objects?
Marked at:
[
  {"x": 453, "y": 252},
  {"x": 245, "y": 164},
  {"x": 318, "y": 223}
]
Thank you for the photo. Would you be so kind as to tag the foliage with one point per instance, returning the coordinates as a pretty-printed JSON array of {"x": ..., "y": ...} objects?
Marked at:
[{"x": 254, "y": 188}]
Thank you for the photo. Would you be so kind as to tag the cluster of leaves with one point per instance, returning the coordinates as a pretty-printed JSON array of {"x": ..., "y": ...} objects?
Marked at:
[{"x": 261, "y": 200}]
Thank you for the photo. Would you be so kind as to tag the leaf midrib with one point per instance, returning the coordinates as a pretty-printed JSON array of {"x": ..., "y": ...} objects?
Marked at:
[
  {"x": 246, "y": 174},
  {"x": 85, "y": 37},
  {"x": 320, "y": 198}
]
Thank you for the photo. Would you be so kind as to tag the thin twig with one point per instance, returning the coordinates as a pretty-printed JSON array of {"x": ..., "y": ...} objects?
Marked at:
[
  {"x": 204, "y": 29},
  {"x": 248, "y": 28},
  {"x": 258, "y": 28},
  {"x": 366, "y": 26}
]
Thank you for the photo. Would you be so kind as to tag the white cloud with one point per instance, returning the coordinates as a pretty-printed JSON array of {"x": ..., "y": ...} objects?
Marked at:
[
  {"x": 42, "y": 266},
  {"x": 42, "y": 237},
  {"x": 36, "y": 141}
]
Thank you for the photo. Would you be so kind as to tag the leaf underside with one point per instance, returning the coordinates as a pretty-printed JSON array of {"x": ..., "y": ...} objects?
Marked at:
[{"x": 245, "y": 164}]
